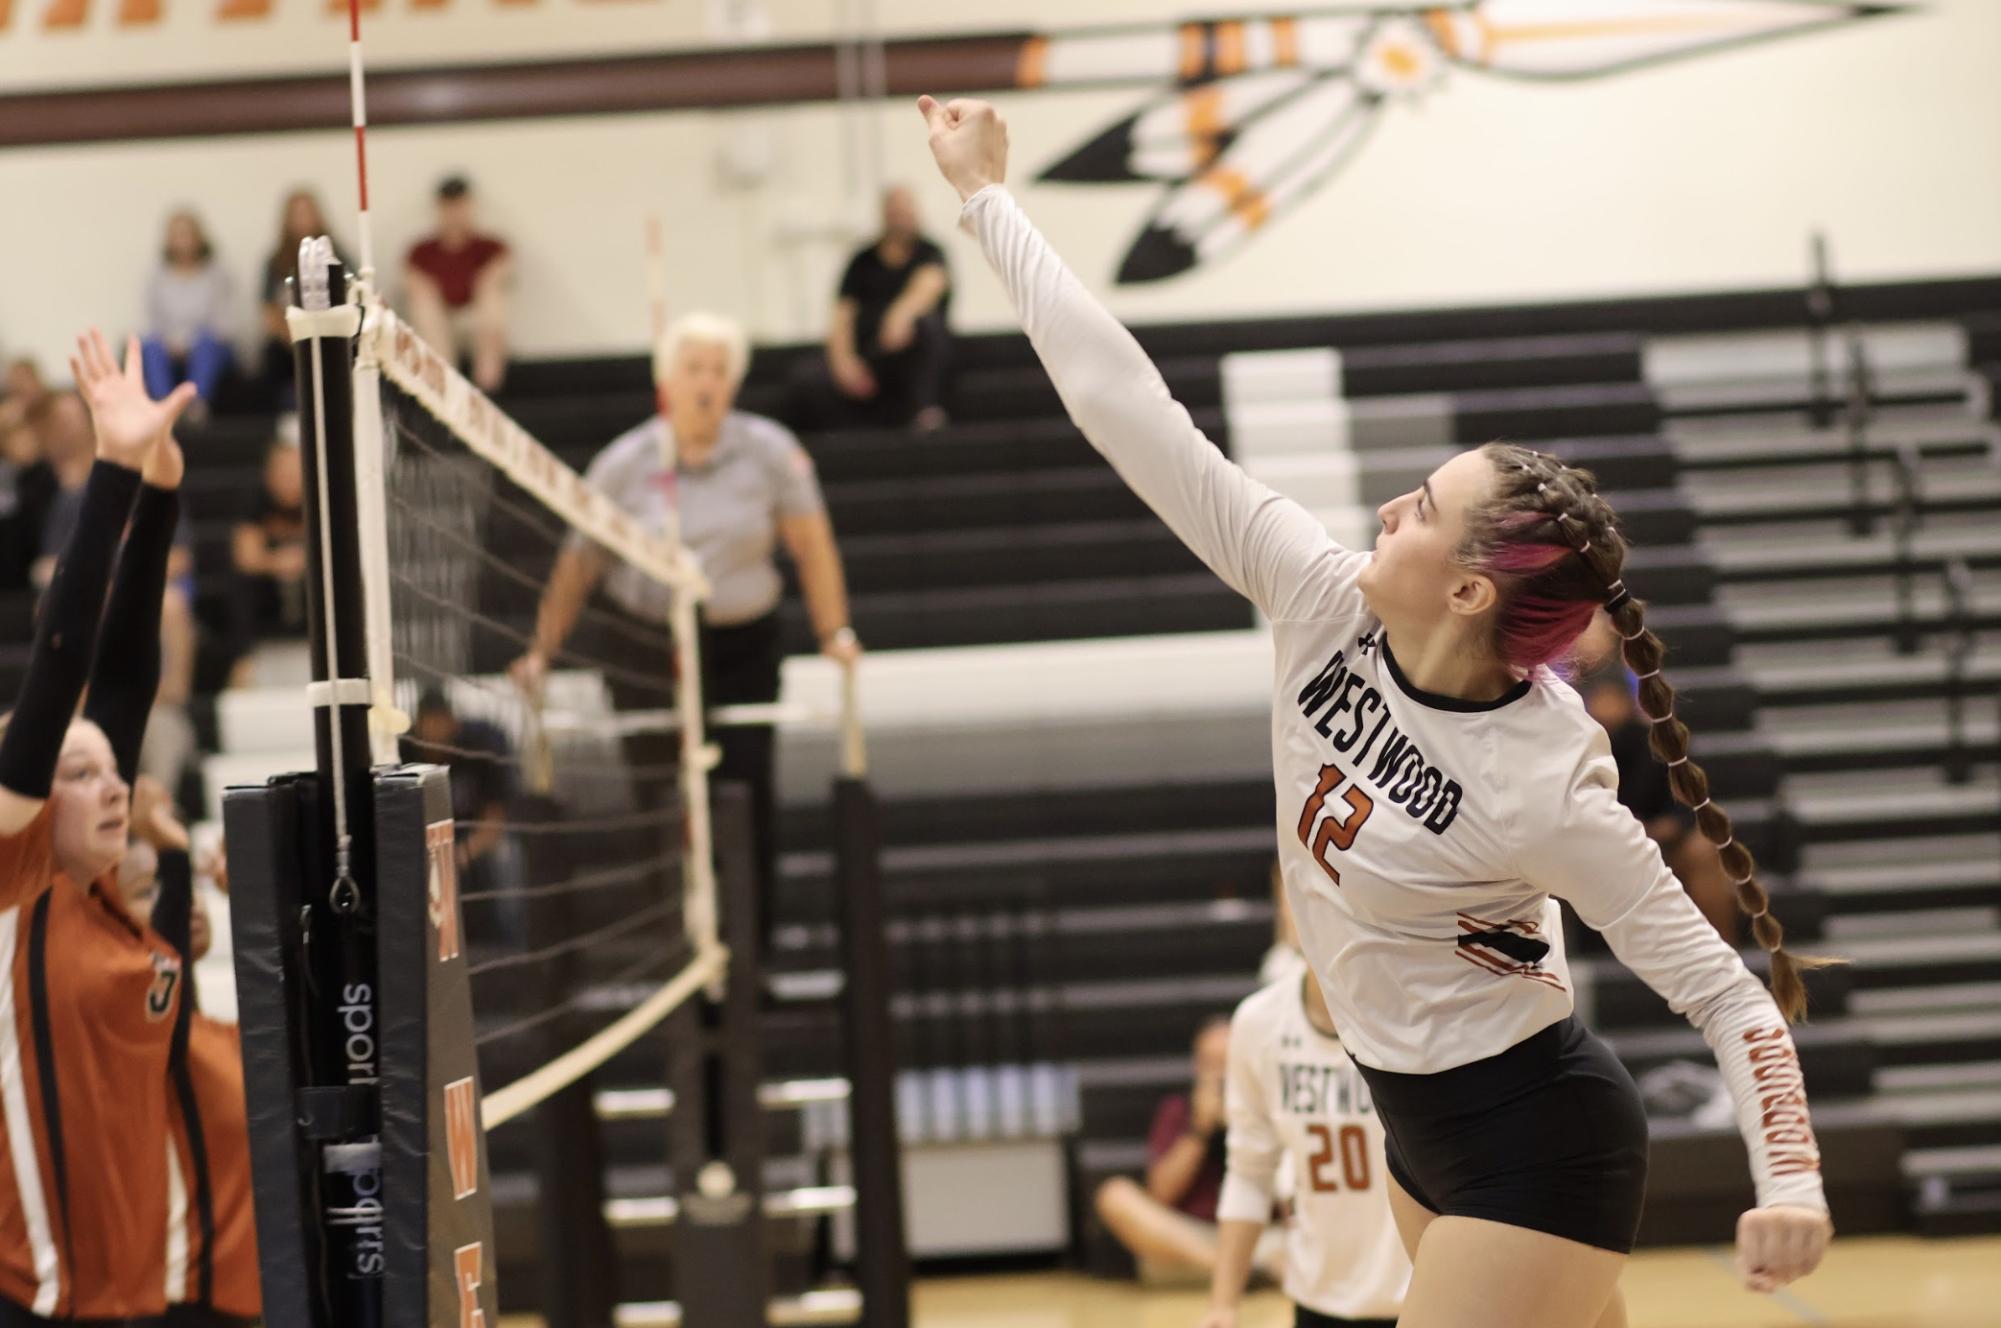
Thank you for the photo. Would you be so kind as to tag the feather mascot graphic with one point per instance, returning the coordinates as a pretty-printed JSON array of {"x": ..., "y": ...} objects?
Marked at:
[{"x": 1264, "y": 110}]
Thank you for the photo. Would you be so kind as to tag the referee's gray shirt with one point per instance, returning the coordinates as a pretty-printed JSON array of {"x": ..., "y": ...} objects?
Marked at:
[{"x": 730, "y": 507}]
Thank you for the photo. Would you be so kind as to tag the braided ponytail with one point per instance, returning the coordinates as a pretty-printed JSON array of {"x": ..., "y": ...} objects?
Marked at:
[{"x": 1554, "y": 549}]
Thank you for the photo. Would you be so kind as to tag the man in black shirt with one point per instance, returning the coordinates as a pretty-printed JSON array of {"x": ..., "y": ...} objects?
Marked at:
[{"x": 888, "y": 347}]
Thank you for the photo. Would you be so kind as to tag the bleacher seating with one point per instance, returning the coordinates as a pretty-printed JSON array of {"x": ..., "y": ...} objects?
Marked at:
[{"x": 1075, "y": 881}]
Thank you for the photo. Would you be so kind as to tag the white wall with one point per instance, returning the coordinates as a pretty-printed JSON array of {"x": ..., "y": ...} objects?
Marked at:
[{"x": 1704, "y": 174}]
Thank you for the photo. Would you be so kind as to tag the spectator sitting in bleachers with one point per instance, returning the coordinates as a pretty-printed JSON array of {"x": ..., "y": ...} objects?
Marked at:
[
  {"x": 190, "y": 315},
  {"x": 456, "y": 281},
  {"x": 67, "y": 454},
  {"x": 1169, "y": 1222},
  {"x": 299, "y": 218},
  {"x": 1608, "y": 691},
  {"x": 888, "y": 347},
  {"x": 268, "y": 556},
  {"x": 25, "y": 483}
]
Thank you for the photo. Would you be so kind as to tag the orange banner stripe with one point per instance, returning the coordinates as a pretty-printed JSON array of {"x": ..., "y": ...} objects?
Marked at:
[
  {"x": 1031, "y": 69},
  {"x": 66, "y": 14},
  {"x": 1285, "y": 42},
  {"x": 1194, "y": 51},
  {"x": 1245, "y": 202},
  {"x": 1202, "y": 108},
  {"x": 236, "y": 11},
  {"x": 138, "y": 13},
  {"x": 1229, "y": 48}
]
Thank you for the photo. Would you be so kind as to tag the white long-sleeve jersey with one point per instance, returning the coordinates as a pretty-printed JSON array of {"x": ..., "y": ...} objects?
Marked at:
[
  {"x": 1424, "y": 841},
  {"x": 1293, "y": 1093}
]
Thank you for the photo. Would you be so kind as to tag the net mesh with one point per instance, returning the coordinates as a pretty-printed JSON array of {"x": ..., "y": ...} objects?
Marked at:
[{"x": 583, "y": 875}]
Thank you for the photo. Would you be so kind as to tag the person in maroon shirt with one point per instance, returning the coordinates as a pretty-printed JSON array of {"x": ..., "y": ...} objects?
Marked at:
[
  {"x": 457, "y": 282},
  {"x": 1168, "y": 1221}
]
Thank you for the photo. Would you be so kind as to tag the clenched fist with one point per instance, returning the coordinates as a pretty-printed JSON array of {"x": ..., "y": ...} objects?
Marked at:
[
  {"x": 1780, "y": 1244},
  {"x": 969, "y": 141}
]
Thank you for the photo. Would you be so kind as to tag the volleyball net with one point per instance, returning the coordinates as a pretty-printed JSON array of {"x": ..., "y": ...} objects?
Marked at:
[{"x": 582, "y": 836}]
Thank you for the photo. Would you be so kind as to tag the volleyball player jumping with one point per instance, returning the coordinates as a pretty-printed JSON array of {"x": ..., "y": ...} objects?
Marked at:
[
  {"x": 89, "y": 996},
  {"x": 1439, "y": 788}
]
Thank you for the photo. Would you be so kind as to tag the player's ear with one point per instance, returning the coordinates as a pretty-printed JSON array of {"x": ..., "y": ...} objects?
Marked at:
[{"x": 1471, "y": 594}]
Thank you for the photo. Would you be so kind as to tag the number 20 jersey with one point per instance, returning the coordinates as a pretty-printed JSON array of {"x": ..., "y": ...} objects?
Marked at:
[{"x": 1293, "y": 1093}]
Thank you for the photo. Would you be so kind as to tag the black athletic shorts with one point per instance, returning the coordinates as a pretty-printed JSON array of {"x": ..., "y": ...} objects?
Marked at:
[
  {"x": 1303, "y": 1317},
  {"x": 1549, "y": 1135}
]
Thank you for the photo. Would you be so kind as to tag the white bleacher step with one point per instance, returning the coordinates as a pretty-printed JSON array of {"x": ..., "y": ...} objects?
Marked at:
[
  {"x": 1938, "y": 1078},
  {"x": 1923, "y": 951},
  {"x": 1744, "y": 552},
  {"x": 1940, "y": 998},
  {"x": 1948, "y": 1163},
  {"x": 1856, "y": 603},
  {"x": 831, "y": 1305},
  {"x": 1889, "y": 795},
  {"x": 1699, "y": 359},
  {"x": 1845, "y": 930},
  {"x": 661, "y": 1210},
  {"x": 1980, "y": 727},
  {"x": 1980, "y": 1027},
  {"x": 1750, "y": 493},
  {"x": 658, "y": 1103},
  {"x": 1947, "y": 871},
  {"x": 1722, "y": 442}
]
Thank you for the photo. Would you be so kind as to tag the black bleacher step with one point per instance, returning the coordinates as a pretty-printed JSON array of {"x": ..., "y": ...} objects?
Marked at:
[
  {"x": 1508, "y": 362},
  {"x": 973, "y": 950},
  {"x": 1526, "y": 415},
  {"x": 1067, "y": 611},
  {"x": 1627, "y": 462},
  {"x": 955, "y": 502},
  {"x": 1876, "y": 677},
  {"x": 1953, "y": 1038},
  {"x": 1621, "y": 1000},
  {"x": 1104, "y": 869},
  {"x": 1790, "y": 401},
  {"x": 962, "y": 448},
  {"x": 1837, "y": 1056},
  {"x": 1013, "y": 555},
  {"x": 1906, "y": 806},
  {"x": 1824, "y": 504},
  {"x": 1696, "y": 634},
  {"x": 1172, "y": 803},
  {"x": 1919, "y": 966},
  {"x": 1698, "y": 1184}
]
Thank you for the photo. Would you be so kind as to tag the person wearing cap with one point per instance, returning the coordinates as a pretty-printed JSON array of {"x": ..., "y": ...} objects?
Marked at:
[{"x": 457, "y": 283}]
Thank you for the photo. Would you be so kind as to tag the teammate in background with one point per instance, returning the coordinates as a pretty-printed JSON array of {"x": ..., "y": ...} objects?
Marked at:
[
  {"x": 482, "y": 764},
  {"x": 1169, "y": 1223},
  {"x": 1449, "y": 788},
  {"x": 95, "y": 995},
  {"x": 1295, "y": 1097},
  {"x": 457, "y": 282},
  {"x": 737, "y": 485},
  {"x": 211, "y": 1266}
]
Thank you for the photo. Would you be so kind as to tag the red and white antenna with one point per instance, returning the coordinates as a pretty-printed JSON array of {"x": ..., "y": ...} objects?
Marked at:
[{"x": 358, "y": 102}]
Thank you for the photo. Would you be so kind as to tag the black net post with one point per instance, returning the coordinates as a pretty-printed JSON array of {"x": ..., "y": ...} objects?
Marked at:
[
  {"x": 722, "y": 1268},
  {"x": 339, "y": 890},
  {"x": 882, "y": 1257}
]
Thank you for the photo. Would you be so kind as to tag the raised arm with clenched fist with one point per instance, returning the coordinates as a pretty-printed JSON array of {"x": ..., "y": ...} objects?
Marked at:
[{"x": 969, "y": 140}]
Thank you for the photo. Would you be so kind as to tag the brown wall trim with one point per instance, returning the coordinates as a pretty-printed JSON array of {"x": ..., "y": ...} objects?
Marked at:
[{"x": 668, "y": 81}]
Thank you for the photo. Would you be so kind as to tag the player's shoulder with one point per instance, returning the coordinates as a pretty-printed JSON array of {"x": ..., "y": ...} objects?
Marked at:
[
  {"x": 1264, "y": 1007},
  {"x": 1559, "y": 749}
]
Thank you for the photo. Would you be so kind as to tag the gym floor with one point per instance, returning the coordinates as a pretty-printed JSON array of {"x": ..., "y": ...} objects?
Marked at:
[{"x": 1872, "y": 1282}]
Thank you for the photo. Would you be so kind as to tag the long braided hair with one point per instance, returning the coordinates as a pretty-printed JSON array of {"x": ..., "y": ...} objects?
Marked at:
[{"x": 1554, "y": 550}]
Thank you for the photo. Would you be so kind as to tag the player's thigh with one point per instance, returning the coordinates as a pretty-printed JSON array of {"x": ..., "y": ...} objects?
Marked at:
[
  {"x": 1472, "y": 1273},
  {"x": 1411, "y": 1218}
]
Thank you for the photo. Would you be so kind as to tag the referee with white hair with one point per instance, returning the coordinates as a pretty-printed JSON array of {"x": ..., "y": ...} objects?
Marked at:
[{"x": 741, "y": 484}]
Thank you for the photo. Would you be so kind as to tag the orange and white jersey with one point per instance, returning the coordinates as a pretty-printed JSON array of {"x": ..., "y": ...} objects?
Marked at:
[
  {"x": 88, "y": 1000},
  {"x": 211, "y": 1235},
  {"x": 1293, "y": 1095}
]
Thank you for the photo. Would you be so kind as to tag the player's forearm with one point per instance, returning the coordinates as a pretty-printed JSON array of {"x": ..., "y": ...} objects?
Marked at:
[
  {"x": 125, "y": 677},
  {"x": 570, "y": 584},
  {"x": 66, "y": 637},
  {"x": 1169, "y": 1177},
  {"x": 1236, "y": 1246}
]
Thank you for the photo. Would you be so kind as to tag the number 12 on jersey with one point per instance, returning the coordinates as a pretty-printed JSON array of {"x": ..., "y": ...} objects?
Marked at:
[{"x": 1339, "y": 827}]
